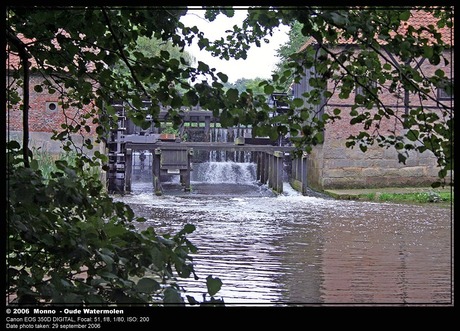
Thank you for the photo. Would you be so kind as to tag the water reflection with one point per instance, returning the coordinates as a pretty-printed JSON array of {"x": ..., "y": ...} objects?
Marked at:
[{"x": 307, "y": 250}]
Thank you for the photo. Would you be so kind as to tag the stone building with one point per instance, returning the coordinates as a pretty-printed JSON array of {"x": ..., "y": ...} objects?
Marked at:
[{"x": 333, "y": 165}]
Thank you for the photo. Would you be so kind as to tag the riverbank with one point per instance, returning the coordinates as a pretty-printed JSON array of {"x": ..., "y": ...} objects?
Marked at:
[{"x": 413, "y": 195}]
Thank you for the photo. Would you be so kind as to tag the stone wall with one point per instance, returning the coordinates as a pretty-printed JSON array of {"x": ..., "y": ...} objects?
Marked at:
[
  {"x": 336, "y": 166},
  {"x": 333, "y": 165}
]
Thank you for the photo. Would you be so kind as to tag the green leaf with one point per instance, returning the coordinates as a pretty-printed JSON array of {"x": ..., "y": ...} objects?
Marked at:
[
  {"x": 269, "y": 89},
  {"x": 203, "y": 66},
  {"x": 34, "y": 164},
  {"x": 38, "y": 89},
  {"x": 401, "y": 158},
  {"x": 213, "y": 284},
  {"x": 192, "y": 98},
  {"x": 232, "y": 95},
  {"x": 189, "y": 228},
  {"x": 404, "y": 15},
  {"x": 428, "y": 51},
  {"x": 440, "y": 73},
  {"x": 148, "y": 285},
  {"x": 106, "y": 274},
  {"x": 223, "y": 77},
  {"x": 13, "y": 144},
  {"x": 164, "y": 54},
  {"x": 137, "y": 102},
  {"x": 298, "y": 102},
  {"x": 172, "y": 296},
  {"x": 230, "y": 12},
  {"x": 412, "y": 135}
]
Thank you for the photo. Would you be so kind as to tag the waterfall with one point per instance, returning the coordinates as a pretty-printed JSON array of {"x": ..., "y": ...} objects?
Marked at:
[
  {"x": 226, "y": 167},
  {"x": 218, "y": 135},
  {"x": 224, "y": 172},
  {"x": 228, "y": 135}
]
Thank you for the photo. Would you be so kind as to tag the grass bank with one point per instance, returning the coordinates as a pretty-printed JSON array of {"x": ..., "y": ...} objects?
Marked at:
[
  {"x": 46, "y": 162},
  {"x": 439, "y": 196},
  {"x": 418, "y": 197}
]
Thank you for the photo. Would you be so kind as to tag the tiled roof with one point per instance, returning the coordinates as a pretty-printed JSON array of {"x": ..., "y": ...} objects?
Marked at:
[
  {"x": 417, "y": 19},
  {"x": 13, "y": 60}
]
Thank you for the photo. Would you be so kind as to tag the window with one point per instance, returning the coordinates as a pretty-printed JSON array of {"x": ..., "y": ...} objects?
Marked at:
[
  {"x": 445, "y": 93},
  {"x": 51, "y": 106},
  {"x": 360, "y": 90}
]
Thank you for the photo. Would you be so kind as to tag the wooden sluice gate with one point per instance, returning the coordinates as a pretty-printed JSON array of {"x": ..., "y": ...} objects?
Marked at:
[
  {"x": 172, "y": 158},
  {"x": 270, "y": 169},
  {"x": 171, "y": 162}
]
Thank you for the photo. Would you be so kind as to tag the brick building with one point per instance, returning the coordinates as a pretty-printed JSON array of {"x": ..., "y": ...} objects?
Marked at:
[
  {"x": 46, "y": 113},
  {"x": 333, "y": 165}
]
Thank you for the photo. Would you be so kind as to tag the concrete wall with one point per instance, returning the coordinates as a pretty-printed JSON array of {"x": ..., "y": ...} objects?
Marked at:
[{"x": 43, "y": 142}]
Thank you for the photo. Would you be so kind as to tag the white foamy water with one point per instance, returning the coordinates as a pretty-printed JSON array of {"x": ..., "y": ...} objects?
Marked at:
[{"x": 224, "y": 172}]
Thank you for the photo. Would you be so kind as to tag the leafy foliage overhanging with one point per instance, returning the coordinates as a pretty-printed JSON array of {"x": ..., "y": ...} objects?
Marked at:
[{"x": 70, "y": 226}]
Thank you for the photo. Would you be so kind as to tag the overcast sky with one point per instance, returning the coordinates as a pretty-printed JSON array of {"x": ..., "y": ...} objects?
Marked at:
[{"x": 260, "y": 61}]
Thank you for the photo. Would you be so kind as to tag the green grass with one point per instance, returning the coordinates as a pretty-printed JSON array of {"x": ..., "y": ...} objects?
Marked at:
[
  {"x": 46, "y": 162},
  {"x": 419, "y": 197}
]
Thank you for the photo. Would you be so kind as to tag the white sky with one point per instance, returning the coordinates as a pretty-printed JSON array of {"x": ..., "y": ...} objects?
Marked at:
[{"x": 260, "y": 61}]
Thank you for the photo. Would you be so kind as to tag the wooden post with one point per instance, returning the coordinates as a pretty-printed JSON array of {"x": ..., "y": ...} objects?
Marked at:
[
  {"x": 156, "y": 172},
  {"x": 304, "y": 173},
  {"x": 263, "y": 167},
  {"x": 207, "y": 126},
  {"x": 259, "y": 165},
  {"x": 186, "y": 179},
  {"x": 278, "y": 171},
  {"x": 128, "y": 168},
  {"x": 271, "y": 166}
]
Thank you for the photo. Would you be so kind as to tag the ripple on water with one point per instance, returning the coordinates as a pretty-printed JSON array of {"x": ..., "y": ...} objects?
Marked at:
[{"x": 306, "y": 249}]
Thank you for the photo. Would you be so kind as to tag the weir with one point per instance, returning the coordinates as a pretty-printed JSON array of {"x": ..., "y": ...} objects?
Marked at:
[
  {"x": 169, "y": 159},
  {"x": 165, "y": 155}
]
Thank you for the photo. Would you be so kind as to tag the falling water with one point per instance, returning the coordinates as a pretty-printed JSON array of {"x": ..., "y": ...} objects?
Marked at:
[
  {"x": 224, "y": 172},
  {"x": 218, "y": 135},
  {"x": 224, "y": 135}
]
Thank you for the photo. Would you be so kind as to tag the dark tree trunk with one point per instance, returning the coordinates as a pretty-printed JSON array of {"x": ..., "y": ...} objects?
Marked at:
[{"x": 24, "y": 56}]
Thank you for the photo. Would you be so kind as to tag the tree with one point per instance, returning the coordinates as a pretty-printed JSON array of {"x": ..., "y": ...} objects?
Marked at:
[
  {"x": 76, "y": 60},
  {"x": 243, "y": 84},
  {"x": 292, "y": 46},
  {"x": 67, "y": 241},
  {"x": 153, "y": 47}
]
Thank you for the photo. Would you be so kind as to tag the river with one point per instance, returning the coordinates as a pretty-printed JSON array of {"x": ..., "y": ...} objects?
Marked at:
[{"x": 304, "y": 250}]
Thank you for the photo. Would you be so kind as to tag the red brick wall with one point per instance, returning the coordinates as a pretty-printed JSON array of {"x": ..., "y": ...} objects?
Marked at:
[
  {"x": 42, "y": 119},
  {"x": 342, "y": 128}
]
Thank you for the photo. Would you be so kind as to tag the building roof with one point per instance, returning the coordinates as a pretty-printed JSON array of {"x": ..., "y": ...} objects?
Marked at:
[
  {"x": 417, "y": 19},
  {"x": 13, "y": 60}
]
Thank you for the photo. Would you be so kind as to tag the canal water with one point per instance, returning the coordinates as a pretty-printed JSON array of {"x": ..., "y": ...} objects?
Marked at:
[{"x": 302, "y": 250}]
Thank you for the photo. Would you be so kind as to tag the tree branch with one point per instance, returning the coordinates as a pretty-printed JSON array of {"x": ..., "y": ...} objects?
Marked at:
[
  {"x": 24, "y": 56},
  {"x": 120, "y": 50}
]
